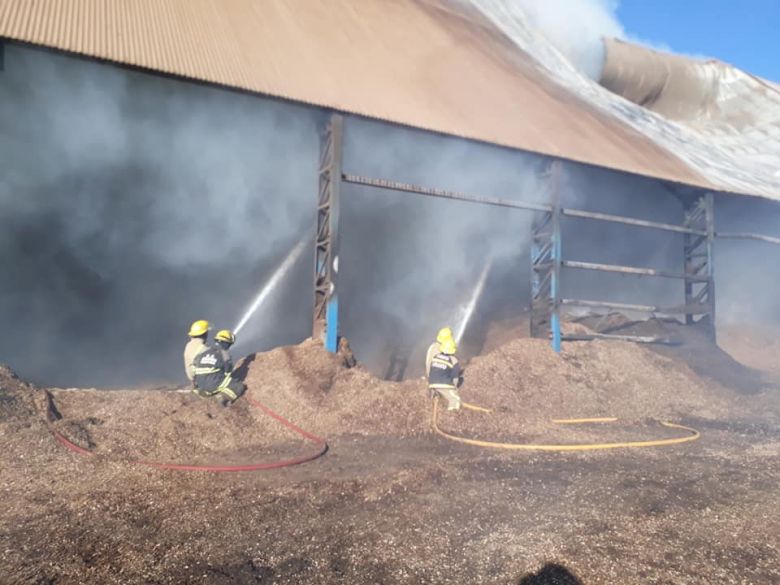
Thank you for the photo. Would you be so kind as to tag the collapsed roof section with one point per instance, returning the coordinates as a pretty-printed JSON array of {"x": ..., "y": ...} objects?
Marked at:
[
  {"x": 722, "y": 122},
  {"x": 470, "y": 69}
]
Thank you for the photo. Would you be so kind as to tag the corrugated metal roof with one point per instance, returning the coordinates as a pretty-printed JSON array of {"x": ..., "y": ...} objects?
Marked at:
[{"x": 411, "y": 62}]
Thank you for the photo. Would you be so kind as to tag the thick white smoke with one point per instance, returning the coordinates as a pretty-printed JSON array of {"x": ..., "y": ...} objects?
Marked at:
[
  {"x": 576, "y": 28},
  {"x": 409, "y": 262},
  {"x": 131, "y": 205}
]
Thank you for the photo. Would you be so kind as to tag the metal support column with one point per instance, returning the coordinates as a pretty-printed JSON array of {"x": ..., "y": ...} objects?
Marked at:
[
  {"x": 326, "y": 304},
  {"x": 546, "y": 264},
  {"x": 699, "y": 266}
]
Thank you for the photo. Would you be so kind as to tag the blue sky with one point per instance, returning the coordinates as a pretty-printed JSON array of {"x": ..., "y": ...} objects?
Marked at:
[{"x": 745, "y": 33}]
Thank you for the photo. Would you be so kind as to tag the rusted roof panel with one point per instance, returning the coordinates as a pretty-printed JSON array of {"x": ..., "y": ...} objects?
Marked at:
[{"x": 411, "y": 62}]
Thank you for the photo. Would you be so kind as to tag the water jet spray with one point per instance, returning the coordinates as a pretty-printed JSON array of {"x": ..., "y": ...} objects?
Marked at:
[
  {"x": 468, "y": 311},
  {"x": 272, "y": 282}
]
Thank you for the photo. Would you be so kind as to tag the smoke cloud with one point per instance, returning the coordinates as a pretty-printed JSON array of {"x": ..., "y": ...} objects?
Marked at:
[
  {"x": 408, "y": 262},
  {"x": 576, "y": 28},
  {"x": 746, "y": 271},
  {"x": 132, "y": 205}
]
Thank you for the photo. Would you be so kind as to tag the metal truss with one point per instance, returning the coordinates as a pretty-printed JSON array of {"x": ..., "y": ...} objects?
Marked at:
[
  {"x": 325, "y": 319},
  {"x": 698, "y": 261},
  {"x": 546, "y": 268}
]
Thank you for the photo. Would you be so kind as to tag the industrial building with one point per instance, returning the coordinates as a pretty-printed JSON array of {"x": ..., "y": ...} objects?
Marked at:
[{"x": 160, "y": 159}]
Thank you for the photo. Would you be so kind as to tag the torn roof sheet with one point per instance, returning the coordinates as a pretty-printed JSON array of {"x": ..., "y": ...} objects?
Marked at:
[{"x": 722, "y": 122}]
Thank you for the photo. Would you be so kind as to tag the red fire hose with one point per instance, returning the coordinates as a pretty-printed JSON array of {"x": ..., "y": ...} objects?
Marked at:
[{"x": 210, "y": 468}]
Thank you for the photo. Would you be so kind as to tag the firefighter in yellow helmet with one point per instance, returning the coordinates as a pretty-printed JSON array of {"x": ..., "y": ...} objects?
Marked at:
[
  {"x": 444, "y": 334},
  {"x": 444, "y": 375},
  {"x": 199, "y": 332},
  {"x": 214, "y": 370}
]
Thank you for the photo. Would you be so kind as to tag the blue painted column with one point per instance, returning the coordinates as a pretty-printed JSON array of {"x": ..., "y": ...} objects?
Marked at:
[
  {"x": 332, "y": 324},
  {"x": 332, "y": 311},
  {"x": 326, "y": 260}
]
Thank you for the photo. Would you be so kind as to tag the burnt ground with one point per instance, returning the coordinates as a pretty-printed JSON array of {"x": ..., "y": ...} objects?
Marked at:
[{"x": 398, "y": 508}]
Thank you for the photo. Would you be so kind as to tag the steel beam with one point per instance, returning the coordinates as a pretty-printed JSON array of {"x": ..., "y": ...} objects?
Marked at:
[
  {"x": 454, "y": 195},
  {"x": 578, "y": 213},
  {"x": 546, "y": 265},
  {"x": 630, "y": 221},
  {"x": 698, "y": 261},
  {"x": 555, "y": 285},
  {"x": 693, "y": 309},
  {"x": 632, "y": 338},
  {"x": 541, "y": 274},
  {"x": 326, "y": 304},
  {"x": 633, "y": 270},
  {"x": 748, "y": 236}
]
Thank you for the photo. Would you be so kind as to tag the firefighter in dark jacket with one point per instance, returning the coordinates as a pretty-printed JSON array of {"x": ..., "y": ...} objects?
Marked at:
[
  {"x": 226, "y": 339},
  {"x": 444, "y": 375},
  {"x": 214, "y": 369}
]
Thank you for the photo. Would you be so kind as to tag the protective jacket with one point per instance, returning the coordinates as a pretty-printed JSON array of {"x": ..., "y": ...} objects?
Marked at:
[
  {"x": 213, "y": 368},
  {"x": 228, "y": 359},
  {"x": 209, "y": 369},
  {"x": 444, "y": 371},
  {"x": 194, "y": 346}
]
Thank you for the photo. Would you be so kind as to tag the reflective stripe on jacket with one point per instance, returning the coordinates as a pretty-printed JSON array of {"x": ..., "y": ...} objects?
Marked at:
[
  {"x": 209, "y": 369},
  {"x": 444, "y": 371}
]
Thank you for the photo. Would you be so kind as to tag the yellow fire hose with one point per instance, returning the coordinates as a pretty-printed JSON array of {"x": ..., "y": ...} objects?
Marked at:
[
  {"x": 474, "y": 407},
  {"x": 692, "y": 436},
  {"x": 579, "y": 421}
]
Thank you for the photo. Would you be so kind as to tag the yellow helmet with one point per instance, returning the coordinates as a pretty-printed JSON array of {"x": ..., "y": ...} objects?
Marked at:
[
  {"x": 449, "y": 346},
  {"x": 199, "y": 328},
  {"x": 444, "y": 334},
  {"x": 225, "y": 335}
]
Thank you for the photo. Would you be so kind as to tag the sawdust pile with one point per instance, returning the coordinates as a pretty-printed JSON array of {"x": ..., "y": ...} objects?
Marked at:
[
  {"x": 527, "y": 385},
  {"x": 523, "y": 381},
  {"x": 167, "y": 427},
  {"x": 303, "y": 383},
  {"x": 16, "y": 397}
]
